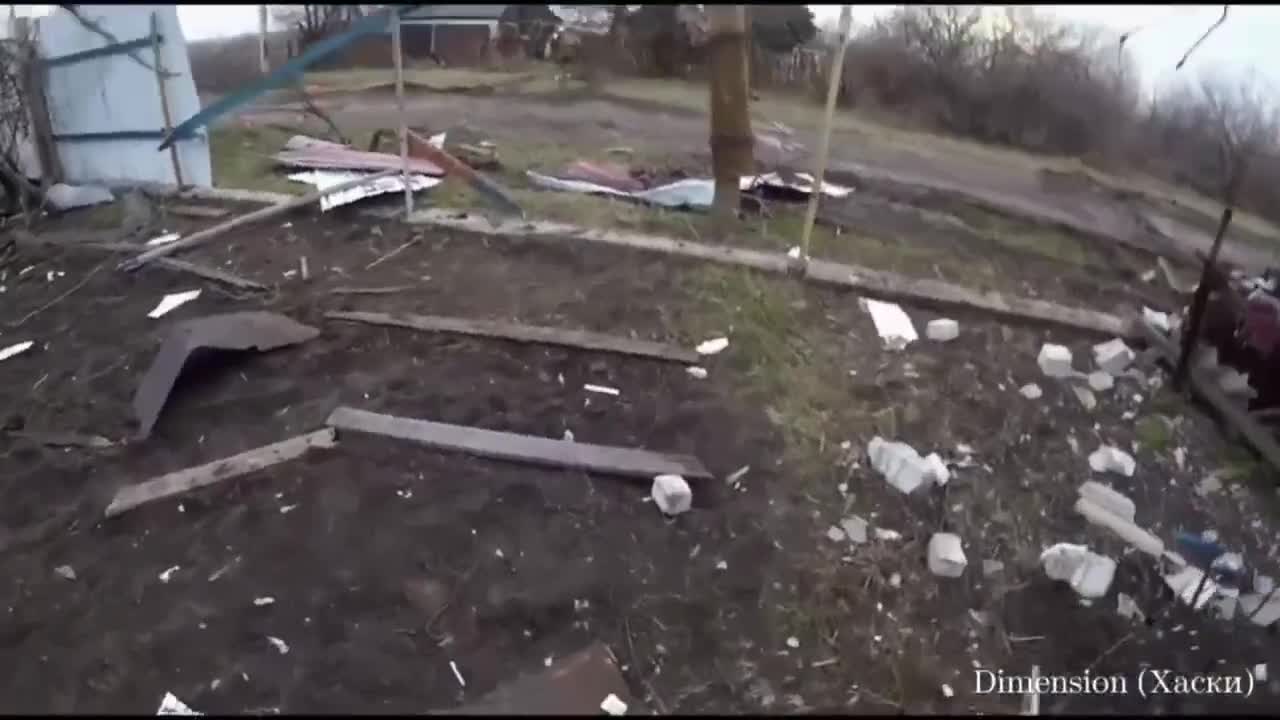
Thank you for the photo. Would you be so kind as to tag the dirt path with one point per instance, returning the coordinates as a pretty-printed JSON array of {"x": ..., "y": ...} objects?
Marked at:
[{"x": 384, "y": 562}]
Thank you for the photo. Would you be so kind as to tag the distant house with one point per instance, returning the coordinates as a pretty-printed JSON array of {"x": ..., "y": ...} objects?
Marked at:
[{"x": 473, "y": 34}]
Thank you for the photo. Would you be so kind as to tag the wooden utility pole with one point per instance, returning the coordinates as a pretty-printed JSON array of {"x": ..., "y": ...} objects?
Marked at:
[
  {"x": 824, "y": 143},
  {"x": 397, "y": 55},
  {"x": 263, "y": 65},
  {"x": 731, "y": 138}
]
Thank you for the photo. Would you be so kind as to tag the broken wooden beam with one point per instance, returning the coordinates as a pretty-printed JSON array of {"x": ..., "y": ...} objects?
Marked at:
[
  {"x": 1237, "y": 417},
  {"x": 604, "y": 459},
  {"x": 203, "y": 236},
  {"x": 581, "y": 339},
  {"x": 182, "y": 481},
  {"x": 574, "y": 685},
  {"x": 874, "y": 283},
  {"x": 197, "y": 211}
]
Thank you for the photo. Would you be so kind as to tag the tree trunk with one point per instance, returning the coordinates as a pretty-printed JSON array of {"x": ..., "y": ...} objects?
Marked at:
[{"x": 731, "y": 137}]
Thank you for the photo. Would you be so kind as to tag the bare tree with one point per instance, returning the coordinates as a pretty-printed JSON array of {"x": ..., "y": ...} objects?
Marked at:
[{"x": 315, "y": 22}]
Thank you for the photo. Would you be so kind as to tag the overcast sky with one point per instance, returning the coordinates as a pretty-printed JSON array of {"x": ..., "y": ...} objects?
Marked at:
[{"x": 1250, "y": 38}]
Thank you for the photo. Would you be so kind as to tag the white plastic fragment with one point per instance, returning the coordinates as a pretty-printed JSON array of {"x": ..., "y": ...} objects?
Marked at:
[
  {"x": 457, "y": 675},
  {"x": 1113, "y": 356},
  {"x": 1101, "y": 380},
  {"x": 1122, "y": 528},
  {"x": 171, "y": 705},
  {"x": 1088, "y": 573},
  {"x": 886, "y": 534},
  {"x": 264, "y": 601},
  {"x": 900, "y": 464},
  {"x": 947, "y": 692},
  {"x": 793, "y": 642},
  {"x": 281, "y": 646},
  {"x": 16, "y": 349},
  {"x": 1031, "y": 391},
  {"x": 696, "y": 372},
  {"x": 942, "y": 330},
  {"x": 602, "y": 389},
  {"x": 65, "y": 572},
  {"x": 168, "y": 574},
  {"x": 164, "y": 239},
  {"x": 171, "y": 301},
  {"x": 892, "y": 324},
  {"x": 946, "y": 555},
  {"x": 935, "y": 469},
  {"x": 736, "y": 476},
  {"x": 1110, "y": 499},
  {"x": 613, "y": 705},
  {"x": 855, "y": 529},
  {"x": 712, "y": 346},
  {"x": 1112, "y": 459},
  {"x": 672, "y": 494},
  {"x": 1055, "y": 361},
  {"x": 1085, "y": 396},
  {"x": 793, "y": 252},
  {"x": 1156, "y": 319},
  {"x": 1186, "y": 581},
  {"x": 835, "y": 534},
  {"x": 1180, "y": 457}
]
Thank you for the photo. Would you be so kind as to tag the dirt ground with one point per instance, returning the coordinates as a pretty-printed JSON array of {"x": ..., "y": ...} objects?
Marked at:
[{"x": 387, "y": 561}]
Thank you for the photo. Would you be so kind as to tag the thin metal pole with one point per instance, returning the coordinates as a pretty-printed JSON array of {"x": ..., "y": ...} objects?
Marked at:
[
  {"x": 164, "y": 98},
  {"x": 263, "y": 65},
  {"x": 404, "y": 127},
  {"x": 824, "y": 143}
]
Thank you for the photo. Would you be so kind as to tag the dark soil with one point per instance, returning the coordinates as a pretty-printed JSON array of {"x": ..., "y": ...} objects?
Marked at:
[{"x": 386, "y": 561}]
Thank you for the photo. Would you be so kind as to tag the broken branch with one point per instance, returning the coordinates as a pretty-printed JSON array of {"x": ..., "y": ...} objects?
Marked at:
[{"x": 257, "y": 216}]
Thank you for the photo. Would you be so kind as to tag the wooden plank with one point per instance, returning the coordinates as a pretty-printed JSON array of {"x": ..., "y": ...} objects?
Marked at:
[
  {"x": 525, "y": 333},
  {"x": 176, "y": 483},
  {"x": 1202, "y": 385},
  {"x": 604, "y": 459},
  {"x": 119, "y": 48},
  {"x": 266, "y": 213},
  {"x": 197, "y": 211},
  {"x": 164, "y": 97},
  {"x": 873, "y": 283},
  {"x": 575, "y": 685}
]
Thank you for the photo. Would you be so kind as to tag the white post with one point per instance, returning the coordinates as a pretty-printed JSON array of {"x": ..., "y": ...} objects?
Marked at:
[
  {"x": 263, "y": 65},
  {"x": 404, "y": 127},
  {"x": 824, "y": 142}
]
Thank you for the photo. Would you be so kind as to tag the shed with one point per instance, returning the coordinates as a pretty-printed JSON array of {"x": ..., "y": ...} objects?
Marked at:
[{"x": 471, "y": 34}]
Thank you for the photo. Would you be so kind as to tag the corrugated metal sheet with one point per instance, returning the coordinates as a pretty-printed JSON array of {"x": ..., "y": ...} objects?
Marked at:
[{"x": 115, "y": 93}]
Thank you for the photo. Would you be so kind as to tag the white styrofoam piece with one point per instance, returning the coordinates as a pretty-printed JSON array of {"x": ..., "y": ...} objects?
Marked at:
[
  {"x": 15, "y": 349},
  {"x": 171, "y": 301},
  {"x": 1112, "y": 459},
  {"x": 1122, "y": 528},
  {"x": 892, "y": 324},
  {"x": 1113, "y": 356},
  {"x": 946, "y": 555},
  {"x": 713, "y": 346},
  {"x": 1101, "y": 380},
  {"x": 672, "y": 494},
  {"x": 1061, "y": 561},
  {"x": 900, "y": 464},
  {"x": 613, "y": 705},
  {"x": 1055, "y": 361},
  {"x": 942, "y": 330},
  {"x": 1110, "y": 499},
  {"x": 935, "y": 469},
  {"x": 855, "y": 529},
  {"x": 1093, "y": 577},
  {"x": 1031, "y": 391},
  {"x": 171, "y": 705}
]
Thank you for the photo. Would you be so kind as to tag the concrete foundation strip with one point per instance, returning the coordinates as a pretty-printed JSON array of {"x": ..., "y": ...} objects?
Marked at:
[
  {"x": 874, "y": 283},
  {"x": 604, "y": 459},
  {"x": 524, "y": 333}
]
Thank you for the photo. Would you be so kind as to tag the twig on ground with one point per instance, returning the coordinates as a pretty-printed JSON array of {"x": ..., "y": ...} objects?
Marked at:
[
  {"x": 60, "y": 298},
  {"x": 390, "y": 255}
]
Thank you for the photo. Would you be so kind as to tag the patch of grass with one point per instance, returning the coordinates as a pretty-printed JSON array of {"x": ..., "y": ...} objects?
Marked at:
[
  {"x": 1025, "y": 237},
  {"x": 241, "y": 158},
  {"x": 1154, "y": 432}
]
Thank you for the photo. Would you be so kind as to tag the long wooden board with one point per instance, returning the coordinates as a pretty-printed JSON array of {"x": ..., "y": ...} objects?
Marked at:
[
  {"x": 176, "y": 483},
  {"x": 874, "y": 283},
  {"x": 524, "y": 333},
  {"x": 1256, "y": 435},
  {"x": 627, "y": 462}
]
